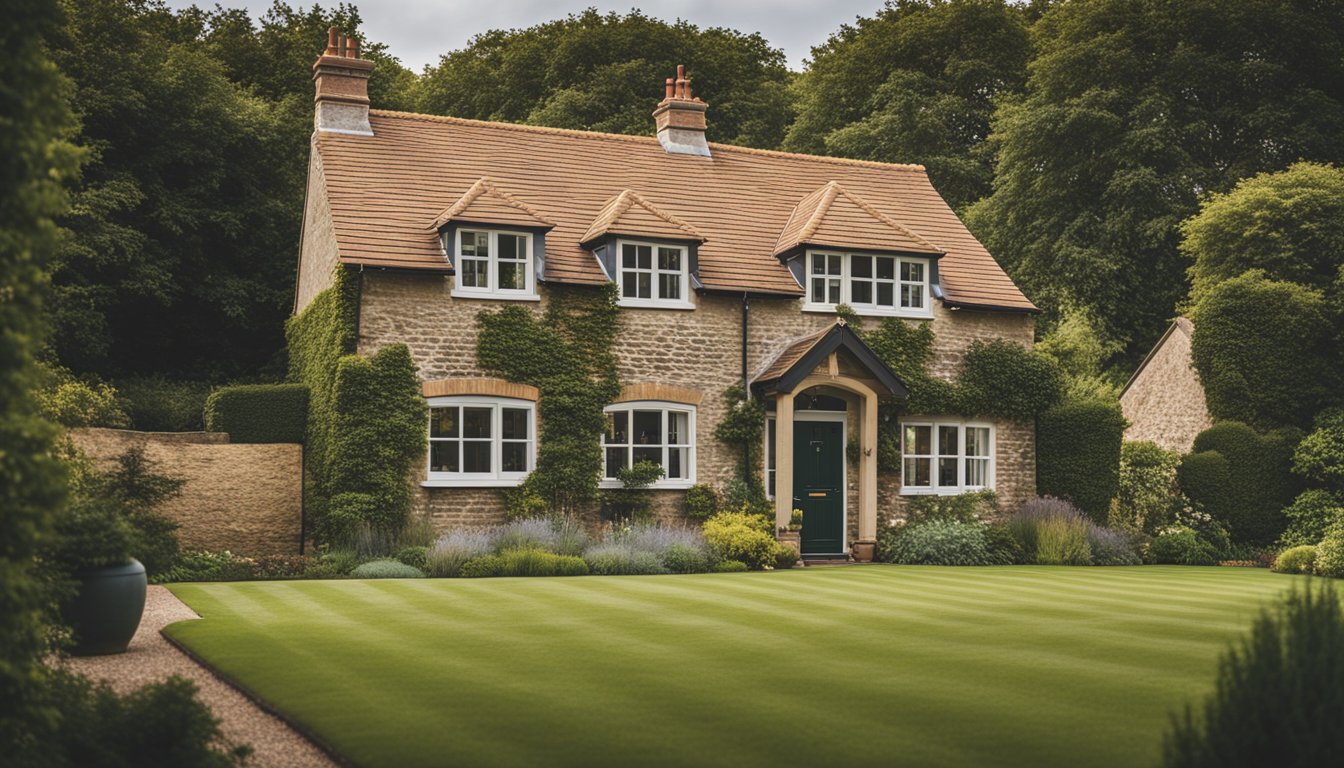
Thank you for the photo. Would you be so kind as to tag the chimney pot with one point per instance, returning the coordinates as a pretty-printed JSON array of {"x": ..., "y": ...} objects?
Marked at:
[
  {"x": 671, "y": 87},
  {"x": 354, "y": 48},
  {"x": 331, "y": 41}
]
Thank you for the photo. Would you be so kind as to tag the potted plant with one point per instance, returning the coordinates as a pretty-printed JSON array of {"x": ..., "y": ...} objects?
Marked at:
[
  {"x": 791, "y": 534},
  {"x": 796, "y": 520}
]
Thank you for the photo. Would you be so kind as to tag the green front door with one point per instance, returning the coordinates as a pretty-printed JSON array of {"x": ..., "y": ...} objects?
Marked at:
[{"x": 819, "y": 485}]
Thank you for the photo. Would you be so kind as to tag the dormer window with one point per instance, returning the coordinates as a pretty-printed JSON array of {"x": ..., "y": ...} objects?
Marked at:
[
  {"x": 493, "y": 264},
  {"x": 653, "y": 275},
  {"x": 873, "y": 284}
]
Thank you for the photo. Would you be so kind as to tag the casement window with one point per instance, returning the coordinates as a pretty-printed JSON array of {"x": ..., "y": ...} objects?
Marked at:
[
  {"x": 663, "y": 433},
  {"x": 653, "y": 275},
  {"x": 870, "y": 283},
  {"x": 946, "y": 457},
  {"x": 494, "y": 264},
  {"x": 478, "y": 441}
]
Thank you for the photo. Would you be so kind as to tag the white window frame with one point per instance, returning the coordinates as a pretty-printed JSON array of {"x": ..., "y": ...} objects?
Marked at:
[
  {"x": 684, "y": 277},
  {"x": 689, "y": 444},
  {"x": 496, "y": 478},
  {"x": 936, "y": 451},
  {"x": 492, "y": 289},
  {"x": 847, "y": 283}
]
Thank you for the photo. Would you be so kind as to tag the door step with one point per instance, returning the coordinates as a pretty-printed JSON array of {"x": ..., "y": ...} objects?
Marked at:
[{"x": 811, "y": 560}]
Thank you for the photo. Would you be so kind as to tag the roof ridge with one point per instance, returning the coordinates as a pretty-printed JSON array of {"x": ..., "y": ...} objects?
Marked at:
[
  {"x": 829, "y": 192},
  {"x": 885, "y": 219},
  {"x": 483, "y": 186},
  {"x": 526, "y": 128},
  {"x": 615, "y": 207},
  {"x": 643, "y": 202}
]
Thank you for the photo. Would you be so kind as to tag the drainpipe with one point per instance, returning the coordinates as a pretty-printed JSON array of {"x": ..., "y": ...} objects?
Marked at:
[{"x": 746, "y": 393}]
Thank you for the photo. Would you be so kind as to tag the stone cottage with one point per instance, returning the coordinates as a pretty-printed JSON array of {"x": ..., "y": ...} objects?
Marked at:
[
  {"x": 1164, "y": 399},
  {"x": 729, "y": 263}
]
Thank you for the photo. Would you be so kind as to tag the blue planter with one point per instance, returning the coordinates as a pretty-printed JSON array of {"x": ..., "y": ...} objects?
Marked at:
[{"x": 107, "y": 610}]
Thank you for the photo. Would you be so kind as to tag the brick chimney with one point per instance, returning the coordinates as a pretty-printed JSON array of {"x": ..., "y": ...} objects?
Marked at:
[
  {"x": 680, "y": 119},
  {"x": 342, "y": 80}
]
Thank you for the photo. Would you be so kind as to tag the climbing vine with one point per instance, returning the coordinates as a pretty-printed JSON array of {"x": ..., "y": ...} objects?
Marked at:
[
  {"x": 567, "y": 353},
  {"x": 743, "y": 428}
]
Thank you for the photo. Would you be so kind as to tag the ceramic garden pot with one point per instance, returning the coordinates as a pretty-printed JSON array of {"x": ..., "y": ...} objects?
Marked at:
[
  {"x": 107, "y": 610},
  {"x": 863, "y": 551}
]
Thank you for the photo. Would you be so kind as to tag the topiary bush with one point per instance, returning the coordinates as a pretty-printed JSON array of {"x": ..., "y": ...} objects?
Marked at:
[
  {"x": 1078, "y": 454},
  {"x": 1180, "y": 545},
  {"x": 1296, "y": 560},
  {"x": 259, "y": 413},
  {"x": 741, "y": 536},
  {"x": 386, "y": 569},
  {"x": 1241, "y": 479},
  {"x": 1279, "y": 694},
  {"x": 702, "y": 501},
  {"x": 1330, "y": 552},
  {"x": 1310, "y": 514},
  {"x": 937, "y": 542}
]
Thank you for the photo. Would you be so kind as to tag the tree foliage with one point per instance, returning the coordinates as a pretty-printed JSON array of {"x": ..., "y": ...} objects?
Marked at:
[
  {"x": 1264, "y": 351},
  {"x": 917, "y": 83},
  {"x": 605, "y": 72},
  {"x": 1133, "y": 110}
]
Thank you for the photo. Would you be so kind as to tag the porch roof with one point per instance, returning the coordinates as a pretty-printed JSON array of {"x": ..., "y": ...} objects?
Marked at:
[{"x": 802, "y": 356}]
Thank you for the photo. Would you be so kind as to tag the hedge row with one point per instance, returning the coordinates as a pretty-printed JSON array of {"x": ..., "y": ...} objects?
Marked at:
[
  {"x": 259, "y": 413},
  {"x": 1078, "y": 454}
]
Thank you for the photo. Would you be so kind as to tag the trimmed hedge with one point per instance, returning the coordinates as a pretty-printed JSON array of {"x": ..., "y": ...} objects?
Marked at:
[
  {"x": 259, "y": 413},
  {"x": 1241, "y": 479},
  {"x": 1078, "y": 454}
]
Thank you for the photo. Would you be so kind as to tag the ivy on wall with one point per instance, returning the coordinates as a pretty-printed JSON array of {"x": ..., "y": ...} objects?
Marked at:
[
  {"x": 566, "y": 352},
  {"x": 743, "y": 428},
  {"x": 366, "y": 419}
]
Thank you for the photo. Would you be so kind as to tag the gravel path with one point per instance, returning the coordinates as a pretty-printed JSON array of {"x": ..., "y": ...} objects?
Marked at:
[{"x": 152, "y": 658}]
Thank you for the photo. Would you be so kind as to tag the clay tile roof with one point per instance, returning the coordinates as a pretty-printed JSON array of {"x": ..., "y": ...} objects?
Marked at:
[
  {"x": 834, "y": 217},
  {"x": 801, "y": 355},
  {"x": 630, "y": 214},
  {"x": 791, "y": 354},
  {"x": 386, "y": 189},
  {"x": 485, "y": 203}
]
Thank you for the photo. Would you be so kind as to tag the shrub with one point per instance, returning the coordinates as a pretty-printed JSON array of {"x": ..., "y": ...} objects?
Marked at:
[
  {"x": 537, "y": 562},
  {"x": 785, "y": 556},
  {"x": 523, "y": 502},
  {"x": 65, "y": 399},
  {"x": 1263, "y": 351},
  {"x": 680, "y": 558},
  {"x": 342, "y": 560},
  {"x": 1330, "y": 553},
  {"x": 1241, "y": 479},
  {"x": 1078, "y": 454},
  {"x": 961, "y": 508},
  {"x": 1025, "y": 525},
  {"x": 532, "y": 533},
  {"x": 702, "y": 501},
  {"x": 1002, "y": 547},
  {"x": 259, "y": 413},
  {"x": 1147, "y": 495},
  {"x": 1279, "y": 694},
  {"x": 386, "y": 569},
  {"x": 416, "y": 557},
  {"x": 938, "y": 542},
  {"x": 157, "y": 404},
  {"x": 730, "y": 566},
  {"x": 1310, "y": 514},
  {"x": 1296, "y": 560},
  {"x": 454, "y": 550},
  {"x": 1111, "y": 547},
  {"x": 483, "y": 566},
  {"x": 620, "y": 559},
  {"x": 741, "y": 536},
  {"x": 1320, "y": 455},
  {"x": 632, "y": 501},
  {"x": 570, "y": 536},
  {"x": 1180, "y": 545},
  {"x": 748, "y": 497},
  {"x": 1062, "y": 540}
]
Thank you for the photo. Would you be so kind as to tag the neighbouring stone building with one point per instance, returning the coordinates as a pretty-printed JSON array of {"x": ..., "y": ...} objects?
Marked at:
[
  {"x": 1164, "y": 399},
  {"x": 729, "y": 262}
]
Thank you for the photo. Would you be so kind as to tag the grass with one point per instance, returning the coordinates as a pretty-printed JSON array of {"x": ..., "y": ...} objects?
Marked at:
[{"x": 878, "y": 665}]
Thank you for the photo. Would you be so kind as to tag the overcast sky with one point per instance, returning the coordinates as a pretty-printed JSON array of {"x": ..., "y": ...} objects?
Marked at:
[{"x": 418, "y": 31}]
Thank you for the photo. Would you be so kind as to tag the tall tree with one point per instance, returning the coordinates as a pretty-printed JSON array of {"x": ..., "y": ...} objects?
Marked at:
[
  {"x": 34, "y": 159},
  {"x": 1134, "y": 110},
  {"x": 605, "y": 73},
  {"x": 916, "y": 83}
]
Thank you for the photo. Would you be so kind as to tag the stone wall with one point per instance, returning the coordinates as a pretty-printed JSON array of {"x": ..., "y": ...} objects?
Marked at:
[
  {"x": 246, "y": 498},
  {"x": 1164, "y": 401},
  {"x": 696, "y": 349},
  {"x": 319, "y": 247}
]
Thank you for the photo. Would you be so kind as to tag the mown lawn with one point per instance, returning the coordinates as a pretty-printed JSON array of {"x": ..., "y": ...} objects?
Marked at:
[{"x": 875, "y": 665}]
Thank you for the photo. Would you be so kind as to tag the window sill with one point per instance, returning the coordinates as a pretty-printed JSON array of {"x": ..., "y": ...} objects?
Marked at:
[
  {"x": 829, "y": 309},
  {"x": 952, "y": 491},
  {"x": 489, "y": 482},
  {"x": 649, "y": 304},
  {"x": 661, "y": 485},
  {"x": 488, "y": 296}
]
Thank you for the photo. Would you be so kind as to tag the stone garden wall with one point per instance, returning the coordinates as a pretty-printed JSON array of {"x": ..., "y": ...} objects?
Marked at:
[{"x": 245, "y": 497}]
